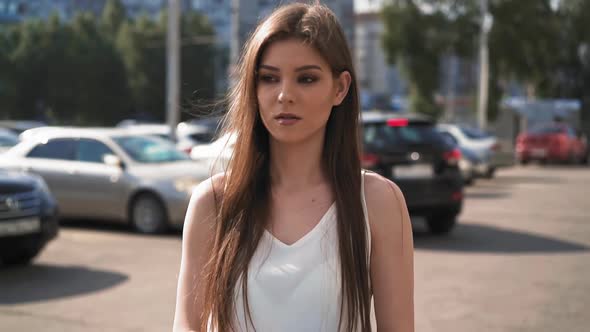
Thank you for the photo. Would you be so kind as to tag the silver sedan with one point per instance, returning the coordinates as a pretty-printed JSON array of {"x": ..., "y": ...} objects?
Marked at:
[{"x": 112, "y": 174}]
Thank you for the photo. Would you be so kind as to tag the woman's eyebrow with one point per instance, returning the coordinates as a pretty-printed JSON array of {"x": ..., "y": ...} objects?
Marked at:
[{"x": 306, "y": 67}]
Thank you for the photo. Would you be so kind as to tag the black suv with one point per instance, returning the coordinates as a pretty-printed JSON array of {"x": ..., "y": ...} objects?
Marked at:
[
  {"x": 28, "y": 217},
  {"x": 408, "y": 150}
]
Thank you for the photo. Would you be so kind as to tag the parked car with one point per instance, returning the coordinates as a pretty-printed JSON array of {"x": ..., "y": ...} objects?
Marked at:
[
  {"x": 8, "y": 139},
  {"x": 552, "y": 142},
  {"x": 471, "y": 164},
  {"x": 28, "y": 217},
  {"x": 18, "y": 126},
  {"x": 491, "y": 153},
  {"x": 408, "y": 150},
  {"x": 187, "y": 135},
  {"x": 216, "y": 154},
  {"x": 112, "y": 174}
]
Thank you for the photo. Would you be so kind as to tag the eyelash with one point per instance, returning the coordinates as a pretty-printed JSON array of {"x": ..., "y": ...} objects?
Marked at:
[{"x": 304, "y": 79}]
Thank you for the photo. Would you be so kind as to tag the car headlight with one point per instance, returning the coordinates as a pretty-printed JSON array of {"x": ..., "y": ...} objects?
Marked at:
[
  {"x": 42, "y": 188},
  {"x": 186, "y": 185}
]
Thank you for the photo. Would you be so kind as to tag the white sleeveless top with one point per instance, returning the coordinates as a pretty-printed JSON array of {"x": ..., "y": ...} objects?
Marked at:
[{"x": 296, "y": 287}]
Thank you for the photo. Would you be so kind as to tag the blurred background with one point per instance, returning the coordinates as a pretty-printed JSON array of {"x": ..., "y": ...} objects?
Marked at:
[{"x": 110, "y": 113}]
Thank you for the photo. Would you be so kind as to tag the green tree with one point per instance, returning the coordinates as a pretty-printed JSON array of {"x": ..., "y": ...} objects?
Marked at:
[
  {"x": 520, "y": 42},
  {"x": 570, "y": 72},
  {"x": 143, "y": 49},
  {"x": 114, "y": 15},
  {"x": 66, "y": 72},
  {"x": 417, "y": 41}
]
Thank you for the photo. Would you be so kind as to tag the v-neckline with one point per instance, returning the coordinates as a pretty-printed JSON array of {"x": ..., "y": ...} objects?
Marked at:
[{"x": 304, "y": 237}]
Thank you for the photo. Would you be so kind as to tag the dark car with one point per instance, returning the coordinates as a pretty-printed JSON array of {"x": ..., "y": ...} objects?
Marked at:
[
  {"x": 28, "y": 217},
  {"x": 408, "y": 150}
]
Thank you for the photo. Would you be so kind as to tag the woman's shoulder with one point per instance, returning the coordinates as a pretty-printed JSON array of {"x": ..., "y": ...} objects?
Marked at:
[
  {"x": 384, "y": 199},
  {"x": 210, "y": 187},
  {"x": 205, "y": 196},
  {"x": 379, "y": 189}
]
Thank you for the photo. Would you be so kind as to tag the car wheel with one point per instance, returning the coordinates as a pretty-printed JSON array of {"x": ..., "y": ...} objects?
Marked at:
[
  {"x": 148, "y": 214},
  {"x": 490, "y": 173},
  {"x": 523, "y": 161},
  {"x": 441, "y": 223},
  {"x": 20, "y": 257}
]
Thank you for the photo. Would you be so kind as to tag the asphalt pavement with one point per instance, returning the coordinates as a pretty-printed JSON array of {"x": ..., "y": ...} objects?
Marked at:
[{"x": 519, "y": 260}]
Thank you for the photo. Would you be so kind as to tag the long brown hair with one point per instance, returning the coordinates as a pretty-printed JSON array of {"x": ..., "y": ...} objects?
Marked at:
[{"x": 243, "y": 208}]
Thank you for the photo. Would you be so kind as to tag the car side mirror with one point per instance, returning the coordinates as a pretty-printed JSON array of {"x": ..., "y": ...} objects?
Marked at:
[{"x": 112, "y": 160}]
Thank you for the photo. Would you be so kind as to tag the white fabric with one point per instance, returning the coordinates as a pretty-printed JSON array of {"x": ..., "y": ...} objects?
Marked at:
[{"x": 296, "y": 287}]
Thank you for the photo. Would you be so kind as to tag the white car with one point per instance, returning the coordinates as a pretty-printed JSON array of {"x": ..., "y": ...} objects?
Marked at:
[
  {"x": 216, "y": 154},
  {"x": 188, "y": 135},
  {"x": 485, "y": 147},
  {"x": 112, "y": 174}
]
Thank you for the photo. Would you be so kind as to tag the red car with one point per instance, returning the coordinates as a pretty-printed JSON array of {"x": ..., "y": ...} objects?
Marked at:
[{"x": 552, "y": 142}]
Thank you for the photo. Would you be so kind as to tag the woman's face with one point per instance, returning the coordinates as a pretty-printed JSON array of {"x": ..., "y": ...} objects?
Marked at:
[{"x": 296, "y": 91}]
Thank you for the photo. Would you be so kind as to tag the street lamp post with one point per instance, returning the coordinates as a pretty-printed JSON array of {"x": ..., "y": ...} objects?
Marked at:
[
  {"x": 173, "y": 66},
  {"x": 486, "y": 25}
]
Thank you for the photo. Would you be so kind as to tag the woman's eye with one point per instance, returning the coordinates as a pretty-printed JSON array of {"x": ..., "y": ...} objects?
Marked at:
[
  {"x": 268, "y": 78},
  {"x": 307, "y": 79}
]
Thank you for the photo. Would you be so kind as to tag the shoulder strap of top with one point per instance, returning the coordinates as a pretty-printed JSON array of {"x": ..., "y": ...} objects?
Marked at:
[{"x": 366, "y": 214}]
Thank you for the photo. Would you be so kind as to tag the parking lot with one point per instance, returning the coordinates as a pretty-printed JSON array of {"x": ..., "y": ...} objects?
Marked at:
[{"x": 517, "y": 261}]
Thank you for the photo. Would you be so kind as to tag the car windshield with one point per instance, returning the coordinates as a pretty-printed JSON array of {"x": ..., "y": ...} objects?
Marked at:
[
  {"x": 6, "y": 140},
  {"x": 544, "y": 130},
  {"x": 148, "y": 149},
  {"x": 382, "y": 135},
  {"x": 474, "y": 133}
]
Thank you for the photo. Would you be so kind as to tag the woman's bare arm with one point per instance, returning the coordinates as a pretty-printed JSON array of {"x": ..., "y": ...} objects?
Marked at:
[
  {"x": 392, "y": 255},
  {"x": 197, "y": 240}
]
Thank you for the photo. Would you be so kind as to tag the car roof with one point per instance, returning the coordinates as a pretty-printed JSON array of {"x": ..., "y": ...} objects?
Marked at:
[
  {"x": 383, "y": 116},
  {"x": 97, "y": 132}
]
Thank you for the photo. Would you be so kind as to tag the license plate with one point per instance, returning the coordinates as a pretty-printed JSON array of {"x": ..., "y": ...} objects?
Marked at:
[
  {"x": 538, "y": 152},
  {"x": 418, "y": 171},
  {"x": 20, "y": 226}
]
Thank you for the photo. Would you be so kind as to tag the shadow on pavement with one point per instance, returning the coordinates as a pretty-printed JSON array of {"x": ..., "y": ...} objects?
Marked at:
[
  {"x": 479, "y": 238},
  {"x": 486, "y": 195},
  {"x": 523, "y": 179},
  {"x": 46, "y": 282},
  {"x": 109, "y": 226}
]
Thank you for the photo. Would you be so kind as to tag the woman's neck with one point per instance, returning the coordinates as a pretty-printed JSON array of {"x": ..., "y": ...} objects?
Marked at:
[{"x": 296, "y": 166}]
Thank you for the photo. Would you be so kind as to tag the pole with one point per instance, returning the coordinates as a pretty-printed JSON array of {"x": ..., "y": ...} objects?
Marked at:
[
  {"x": 235, "y": 42},
  {"x": 173, "y": 66},
  {"x": 483, "y": 66}
]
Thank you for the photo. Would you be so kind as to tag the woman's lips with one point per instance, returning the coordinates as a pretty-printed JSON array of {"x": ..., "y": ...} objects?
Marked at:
[{"x": 287, "y": 119}]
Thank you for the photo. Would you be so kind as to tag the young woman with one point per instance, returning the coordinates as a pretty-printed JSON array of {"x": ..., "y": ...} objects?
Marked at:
[{"x": 294, "y": 236}]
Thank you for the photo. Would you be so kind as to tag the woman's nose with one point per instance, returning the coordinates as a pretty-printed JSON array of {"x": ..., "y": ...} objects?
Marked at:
[{"x": 285, "y": 95}]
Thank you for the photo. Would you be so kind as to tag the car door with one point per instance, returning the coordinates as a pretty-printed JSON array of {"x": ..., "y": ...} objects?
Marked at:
[
  {"x": 577, "y": 144},
  {"x": 54, "y": 161},
  {"x": 101, "y": 189}
]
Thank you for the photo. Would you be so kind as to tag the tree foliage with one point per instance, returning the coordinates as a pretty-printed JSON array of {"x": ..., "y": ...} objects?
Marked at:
[
  {"x": 530, "y": 41},
  {"x": 96, "y": 71}
]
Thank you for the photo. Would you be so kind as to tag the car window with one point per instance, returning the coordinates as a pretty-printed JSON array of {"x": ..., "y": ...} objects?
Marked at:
[
  {"x": 473, "y": 133},
  {"x": 571, "y": 132},
  {"x": 62, "y": 149},
  {"x": 380, "y": 134},
  {"x": 203, "y": 137},
  {"x": 450, "y": 138},
  {"x": 149, "y": 149},
  {"x": 7, "y": 141},
  {"x": 543, "y": 130},
  {"x": 93, "y": 151}
]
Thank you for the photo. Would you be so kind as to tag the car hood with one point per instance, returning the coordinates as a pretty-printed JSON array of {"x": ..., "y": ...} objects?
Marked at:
[
  {"x": 171, "y": 171},
  {"x": 13, "y": 181}
]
